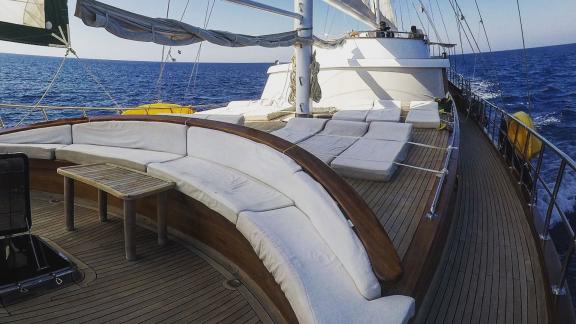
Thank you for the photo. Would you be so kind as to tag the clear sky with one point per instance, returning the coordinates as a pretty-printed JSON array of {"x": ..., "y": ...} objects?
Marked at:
[{"x": 545, "y": 23}]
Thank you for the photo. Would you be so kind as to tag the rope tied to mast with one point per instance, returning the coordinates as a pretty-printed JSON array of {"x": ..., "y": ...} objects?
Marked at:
[{"x": 315, "y": 90}]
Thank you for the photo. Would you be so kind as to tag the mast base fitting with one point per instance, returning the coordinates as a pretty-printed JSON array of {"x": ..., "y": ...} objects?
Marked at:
[{"x": 304, "y": 115}]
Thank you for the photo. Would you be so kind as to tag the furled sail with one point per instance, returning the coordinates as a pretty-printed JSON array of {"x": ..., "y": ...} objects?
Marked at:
[
  {"x": 359, "y": 9},
  {"x": 132, "y": 26},
  {"x": 37, "y": 22},
  {"x": 387, "y": 11}
]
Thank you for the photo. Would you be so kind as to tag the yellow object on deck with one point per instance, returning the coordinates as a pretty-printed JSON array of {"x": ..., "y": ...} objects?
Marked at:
[
  {"x": 527, "y": 145},
  {"x": 159, "y": 108}
]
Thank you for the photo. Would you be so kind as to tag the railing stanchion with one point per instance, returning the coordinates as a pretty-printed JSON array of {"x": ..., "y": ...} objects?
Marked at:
[
  {"x": 524, "y": 157},
  {"x": 559, "y": 289},
  {"x": 536, "y": 176},
  {"x": 545, "y": 235}
]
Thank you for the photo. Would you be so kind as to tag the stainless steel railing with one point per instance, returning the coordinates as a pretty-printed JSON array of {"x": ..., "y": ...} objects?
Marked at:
[
  {"x": 529, "y": 173},
  {"x": 455, "y": 132}
]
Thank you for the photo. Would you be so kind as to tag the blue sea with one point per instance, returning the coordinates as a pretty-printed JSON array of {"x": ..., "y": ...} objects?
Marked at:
[{"x": 547, "y": 75}]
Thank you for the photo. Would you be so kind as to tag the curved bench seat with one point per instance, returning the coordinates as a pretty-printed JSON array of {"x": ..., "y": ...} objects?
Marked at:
[
  {"x": 295, "y": 225},
  {"x": 222, "y": 189},
  {"x": 33, "y": 151},
  {"x": 313, "y": 279}
]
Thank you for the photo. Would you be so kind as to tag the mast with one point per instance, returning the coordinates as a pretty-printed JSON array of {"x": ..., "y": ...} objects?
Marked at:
[
  {"x": 377, "y": 12},
  {"x": 303, "y": 54}
]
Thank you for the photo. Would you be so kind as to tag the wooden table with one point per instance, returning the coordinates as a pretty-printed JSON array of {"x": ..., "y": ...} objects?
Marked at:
[{"x": 122, "y": 183}]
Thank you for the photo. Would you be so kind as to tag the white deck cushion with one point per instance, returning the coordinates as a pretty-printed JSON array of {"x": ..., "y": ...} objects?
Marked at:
[
  {"x": 153, "y": 136},
  {"x": 33, "y": 151},
  {"x": 299, "y": 129},
  {"x": 256, "y": 160},
  {"x": 384, "y": 114},
  {"x": 390, "y": 131},
  {"x": 353, "y": 115},
  {"x": 46, "y": 135},
  {"x": 424, "y": 105},
  {"x": 222, "y": 189},
  {"x": 370, "y": 159},
  {"x": 313, "y": 200},
  {"x": 314, "y": 281},
  {"x": 136, "y": 159},
  {"x": 336, "y": 137},
  {"x": 345, "y": 128},
  {"x": 327, "y": 147},
  {"x": 423, "y": 118}
]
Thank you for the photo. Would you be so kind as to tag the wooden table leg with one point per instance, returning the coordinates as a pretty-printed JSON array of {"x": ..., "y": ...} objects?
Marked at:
[
  {"x": 103, "y": 205},
  {"x": 161, "y": 217},
  {"x": 130, "y": 229},
  {"x": 69, "y": 203}
]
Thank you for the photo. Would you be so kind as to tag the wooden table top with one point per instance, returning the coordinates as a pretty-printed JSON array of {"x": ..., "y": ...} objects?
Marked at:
[{"x": 121, "y": 182}]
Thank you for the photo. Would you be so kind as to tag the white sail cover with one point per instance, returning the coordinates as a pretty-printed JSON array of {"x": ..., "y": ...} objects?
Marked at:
[
  {"x": 132, "y": 26},
  {"x": 23, "y": 12}
]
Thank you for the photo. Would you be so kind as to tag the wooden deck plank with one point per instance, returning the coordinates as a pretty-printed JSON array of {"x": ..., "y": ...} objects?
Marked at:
[
  {"x": 168, "y": 281},
  {"x": 490, "y": 271}
]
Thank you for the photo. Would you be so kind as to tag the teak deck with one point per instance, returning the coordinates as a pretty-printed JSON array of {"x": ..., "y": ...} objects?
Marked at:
[
  {"x": 167, "y": 284},
  {"x": 490, "y": 270}
]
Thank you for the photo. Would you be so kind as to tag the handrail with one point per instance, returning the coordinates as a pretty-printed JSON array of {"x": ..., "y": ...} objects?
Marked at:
[
  {"x": 385, "y": 261},
  {"x": 456, "y": 132},
  {"x": 490, "y": 118}
]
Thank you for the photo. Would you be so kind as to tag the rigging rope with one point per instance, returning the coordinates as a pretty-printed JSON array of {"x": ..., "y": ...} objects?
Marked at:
[
  {"x": 443, "y": 22},
  {"x": 524, "y": 57},
  {"x": 194, "y": 71},
  {"x": 39, "y": 101},
  {"x": 163, "y": 62}
]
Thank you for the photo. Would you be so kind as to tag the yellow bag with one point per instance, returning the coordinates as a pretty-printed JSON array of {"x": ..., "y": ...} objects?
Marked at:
[
  {"x": 159, "y": 108},
  {"x": 519, "y": 134}
]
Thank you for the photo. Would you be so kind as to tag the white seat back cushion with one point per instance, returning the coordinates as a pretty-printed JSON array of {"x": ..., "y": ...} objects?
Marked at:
[
  {"x": 153, "y": 136},
  {"x": 389, "y": 131},
  {"x": 352, "y": 115},
  {"x": 345, "y": 128},
  {"x": 315, "y": 283},
  {"x": 256, "y": 160},
  {"x": 47, "y": 135},
  {"x": 312, "y": 199}
]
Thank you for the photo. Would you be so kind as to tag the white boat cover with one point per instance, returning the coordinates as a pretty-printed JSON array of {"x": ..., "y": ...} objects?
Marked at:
[{"x": 170, "y": 32}]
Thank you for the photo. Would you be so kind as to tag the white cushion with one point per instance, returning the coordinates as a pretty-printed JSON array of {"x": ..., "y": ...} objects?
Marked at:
[
  {"x": 315, "y": 283},
  {"x": 313, "y": 200},
  {"x": 153, "y": 136},
  {"x": 389, "y": 104},
  {"x": 345, "y": 128},
  {"x": 33, "y": 151},
  {"x": 423, "y": 118},
  {"x": 136, "y": 159},
  {"x": 424, "y": 105},
  {"x": 353, "y": 115},
  {"x": 47, "y": 135},
  {"x": 222, "y": 189},
  {"x": 370, "y": 159},
  {"x": 240, "y": 103},
  {"x": 327, "y": 147},
  {"x": 389, "y": 131},
  {"x": 256, "y": 160},
  {"x": 384, "y": 114},
  {"x": 299, "y": 129}
]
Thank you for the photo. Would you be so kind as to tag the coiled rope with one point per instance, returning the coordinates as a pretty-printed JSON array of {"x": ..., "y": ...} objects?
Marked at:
[{"x": 315, "y": 90}]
